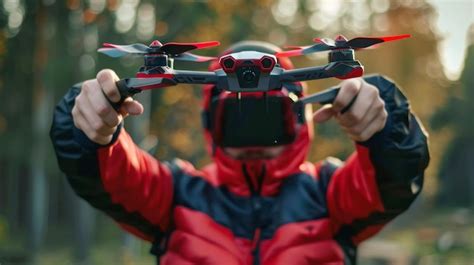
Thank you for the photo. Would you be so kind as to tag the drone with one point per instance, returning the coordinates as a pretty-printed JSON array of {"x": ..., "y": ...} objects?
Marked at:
[{"x": 246, "y": 71}]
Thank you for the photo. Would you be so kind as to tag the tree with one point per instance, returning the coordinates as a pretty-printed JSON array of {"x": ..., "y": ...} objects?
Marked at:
[{"x": 456, "y": 172}]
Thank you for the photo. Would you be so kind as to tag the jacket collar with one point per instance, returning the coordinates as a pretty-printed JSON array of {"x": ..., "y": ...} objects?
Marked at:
[{"x": 262, "y": 176}]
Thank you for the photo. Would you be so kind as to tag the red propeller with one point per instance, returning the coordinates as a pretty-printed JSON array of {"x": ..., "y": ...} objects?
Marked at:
[
  {"x": 325, "y": 44},
  {"x": 175, "y": 50}
]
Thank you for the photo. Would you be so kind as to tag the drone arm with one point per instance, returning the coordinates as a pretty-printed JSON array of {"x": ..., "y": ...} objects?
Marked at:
[
  {"x": 130, "y": 86},
  {"x": 341, "y": 70},
  {"x": 194, "y": 77},
  {"x": 304, "y": 74}
]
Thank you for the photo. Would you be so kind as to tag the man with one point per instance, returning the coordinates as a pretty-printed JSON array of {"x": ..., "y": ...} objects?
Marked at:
[{"x": 253, "y": 204}]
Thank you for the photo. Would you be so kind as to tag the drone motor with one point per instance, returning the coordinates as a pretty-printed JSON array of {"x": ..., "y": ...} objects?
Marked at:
[
  {"x": 156, "y": 60},
  {"x": 341, "y": 55}
]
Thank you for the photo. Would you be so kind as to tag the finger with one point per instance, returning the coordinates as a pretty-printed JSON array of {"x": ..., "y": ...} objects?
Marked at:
[
  {"x": 357, "y": 130},
  {"x": 102, "y": 107},
  {"x": 323, "y": 114},
  {"x": 377, "y": 125},
  {"x": 132, "y": 107},
  {"x": 377, "y": 108},
  {"x": 365, "y": 98},
  {"x": 349, "y": 89},
  {"x": 93, "y": 121},
  {"x": 81, "y": 123},
  {"x": 107, "y": 79},
  {"x": 77, "y": 117}
]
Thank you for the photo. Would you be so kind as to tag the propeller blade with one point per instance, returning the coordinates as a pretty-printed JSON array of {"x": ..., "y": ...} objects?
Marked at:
[
  {"x": 136, "y": 48},
  {"x": 112, "y": 52},
  {"x": 189, "y": 57},
  {"x": 294, "y": 47},
  {"x": 320, "y": 47},
  {"x": 364, "y": 42},
  {"x": 326, "y": 41},
  {"x": 325, "y": 44},
  {"x": 290, "y": 53},
  {"x": 178, "y": 48}
]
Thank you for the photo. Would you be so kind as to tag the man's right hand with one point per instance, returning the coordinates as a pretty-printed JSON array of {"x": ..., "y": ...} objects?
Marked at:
[{"x": 94, "y": 115}]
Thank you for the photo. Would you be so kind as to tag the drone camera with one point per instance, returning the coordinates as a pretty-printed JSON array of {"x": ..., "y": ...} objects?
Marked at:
[{"x": 248, "y": 76}]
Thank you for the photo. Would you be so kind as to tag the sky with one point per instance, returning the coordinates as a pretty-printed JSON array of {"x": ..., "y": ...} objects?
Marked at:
[{"x": 454, "y": 19}]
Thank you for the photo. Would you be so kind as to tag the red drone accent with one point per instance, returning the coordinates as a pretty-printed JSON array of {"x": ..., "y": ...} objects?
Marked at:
[
  {"x": 156, "y": 43},
  {"x": 356, "y": 72},
  {"x": 340, "y": 38},
  {"x": 145, "y": 75},
  {"x": 266, "y": 63},
  {"x": 228, "y": 63}
]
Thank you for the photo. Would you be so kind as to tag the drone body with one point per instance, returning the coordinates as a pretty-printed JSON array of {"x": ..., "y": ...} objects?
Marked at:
[
  {"x": 270, "y": 117},
  {"x": 247, "y": 71}
]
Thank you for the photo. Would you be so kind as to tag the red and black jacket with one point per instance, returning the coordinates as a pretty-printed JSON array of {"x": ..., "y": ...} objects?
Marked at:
[{"x": 280, "y": 211}]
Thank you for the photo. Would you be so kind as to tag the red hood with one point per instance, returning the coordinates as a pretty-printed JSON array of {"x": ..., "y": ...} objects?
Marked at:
[{"x": 230, "y": 171}]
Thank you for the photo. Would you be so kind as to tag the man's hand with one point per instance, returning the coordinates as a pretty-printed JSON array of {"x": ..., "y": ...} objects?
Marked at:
[
  {"x": 93, "y": 114},
  {"x": 364, "y": 118}
]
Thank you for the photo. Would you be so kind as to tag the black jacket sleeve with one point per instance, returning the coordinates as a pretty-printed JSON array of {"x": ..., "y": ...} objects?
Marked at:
[
  {"x": 80, "y": 159},
  {"x": 383, "y": 177}
]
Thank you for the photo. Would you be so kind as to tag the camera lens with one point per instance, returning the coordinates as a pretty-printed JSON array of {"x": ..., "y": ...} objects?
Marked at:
[{"x": 249, "y": 76}]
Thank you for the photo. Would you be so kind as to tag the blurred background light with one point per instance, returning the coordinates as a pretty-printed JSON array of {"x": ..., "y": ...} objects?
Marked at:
[
  {"x": 97, "y": 6},
  {"x": 146, "y": 21},
  {"x": 284, "y": 11},
  {"x": 87, "y": 63},
  {"x": 454, "y": 19},
  {"x": 125, "y": 14},
  {"x": 15, "y": 18},
  {"x": 380, "y": 6},
  {"x": 11, "y": 5}
]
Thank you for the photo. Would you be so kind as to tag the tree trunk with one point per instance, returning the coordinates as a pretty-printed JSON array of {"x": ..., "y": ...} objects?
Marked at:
[{"x": 40, "y": 118}]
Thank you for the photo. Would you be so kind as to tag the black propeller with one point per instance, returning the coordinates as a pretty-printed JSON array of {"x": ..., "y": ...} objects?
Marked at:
[
  {"x": 325, "y": 44},
  {"x": 175, "y": 50}
]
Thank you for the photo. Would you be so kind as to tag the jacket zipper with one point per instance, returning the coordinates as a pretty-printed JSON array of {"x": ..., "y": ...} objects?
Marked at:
[{"x": 256, "y": 208}]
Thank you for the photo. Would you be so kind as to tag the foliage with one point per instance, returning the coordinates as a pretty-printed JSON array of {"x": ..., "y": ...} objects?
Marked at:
[{"x": 457, "y": 170}]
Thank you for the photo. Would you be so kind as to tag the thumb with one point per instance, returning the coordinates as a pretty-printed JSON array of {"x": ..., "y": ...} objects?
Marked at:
[
  {"x": 132, "y": 107},
  {"x": 323, "y": 114}
]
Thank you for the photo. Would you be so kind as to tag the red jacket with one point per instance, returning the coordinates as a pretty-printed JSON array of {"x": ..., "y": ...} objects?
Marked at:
[{"x": 280, "y": 211}]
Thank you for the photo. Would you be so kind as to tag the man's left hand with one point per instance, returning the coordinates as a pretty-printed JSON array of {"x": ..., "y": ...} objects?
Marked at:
[{"x": 366, "y": 115}]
